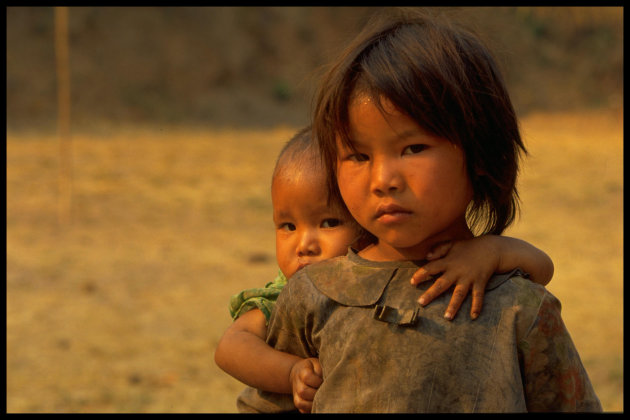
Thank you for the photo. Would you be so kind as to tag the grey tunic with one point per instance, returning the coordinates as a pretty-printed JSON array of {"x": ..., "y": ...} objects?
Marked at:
[{"x": 380, "y": 351}]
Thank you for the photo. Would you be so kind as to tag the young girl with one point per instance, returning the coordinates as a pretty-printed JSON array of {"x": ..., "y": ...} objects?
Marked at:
[
  {"x": 311, "y": 228},
  {"x": 422, "y": 144}
]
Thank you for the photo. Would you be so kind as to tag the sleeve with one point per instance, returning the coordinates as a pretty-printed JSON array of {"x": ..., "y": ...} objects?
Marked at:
[
  {"x": 295, "y": 317},
  {"x": 286, "y": 332},
  {"x": 263, "y": 298},
  {"x": 554, "y": 378}
]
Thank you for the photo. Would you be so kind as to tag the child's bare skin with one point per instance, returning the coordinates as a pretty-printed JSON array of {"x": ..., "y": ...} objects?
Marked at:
[
  {"x": 270, "y": 369},
  {"x": 458, "y": 263},
  {"x": 305, "y": 378}
]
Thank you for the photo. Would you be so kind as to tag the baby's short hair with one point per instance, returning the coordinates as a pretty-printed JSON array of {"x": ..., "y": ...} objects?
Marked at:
[{"x": 300, "y": 153}]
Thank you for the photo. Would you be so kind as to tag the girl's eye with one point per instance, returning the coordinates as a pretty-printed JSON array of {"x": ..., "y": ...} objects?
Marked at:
[
  {"x": 414, "y": 148},
  {"x": 358, "y": 157},
  {"x": 331, "y": 223},
  {"x": 287, "y": 226}
]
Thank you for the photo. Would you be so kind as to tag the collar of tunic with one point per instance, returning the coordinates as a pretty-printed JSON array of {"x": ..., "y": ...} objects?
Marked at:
[{"x": 368, "y": 279}]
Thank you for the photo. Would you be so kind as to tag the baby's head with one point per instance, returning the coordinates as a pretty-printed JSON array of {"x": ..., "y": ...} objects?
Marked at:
[
  {"x": 445, "y": 79},
  {"x": 311, "y": 226}
]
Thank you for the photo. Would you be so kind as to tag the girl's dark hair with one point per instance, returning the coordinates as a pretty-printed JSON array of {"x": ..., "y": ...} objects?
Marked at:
[{"x": 443, "y": 77}]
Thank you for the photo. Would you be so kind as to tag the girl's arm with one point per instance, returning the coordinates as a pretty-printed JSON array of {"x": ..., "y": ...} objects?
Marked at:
[
  {"x": 469, "y": 264},
  {"x": 243, "y": 353}
]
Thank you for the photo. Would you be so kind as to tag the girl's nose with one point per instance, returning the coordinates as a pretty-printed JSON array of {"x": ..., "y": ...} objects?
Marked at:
[
  {"x": 308, "y": 244},
  {"x": 385, "y": 177}
]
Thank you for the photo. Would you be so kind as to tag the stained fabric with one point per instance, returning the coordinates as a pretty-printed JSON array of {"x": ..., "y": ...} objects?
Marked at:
[{"x": 357, "y": 317}]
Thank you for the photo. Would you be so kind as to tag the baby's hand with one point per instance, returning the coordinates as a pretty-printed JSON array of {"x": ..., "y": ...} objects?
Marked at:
[
  {"x": 305, "y": 377},
  {"x": 468, "y": 263}
]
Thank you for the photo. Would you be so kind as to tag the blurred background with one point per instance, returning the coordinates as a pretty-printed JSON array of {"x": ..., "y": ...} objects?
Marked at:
[
  {"x": 255, "y": 67},
  {"x": 127, "y": 234}
]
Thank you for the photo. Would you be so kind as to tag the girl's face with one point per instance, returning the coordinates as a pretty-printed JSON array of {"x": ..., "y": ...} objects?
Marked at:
[
  {"x": 307, "y": 229},
  {"x": 407, "y": 187}
]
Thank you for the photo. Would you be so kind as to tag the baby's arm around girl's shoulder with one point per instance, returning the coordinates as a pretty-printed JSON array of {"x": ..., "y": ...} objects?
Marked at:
[
  {"x": 469, "y": 264},
  {"x": 513, "y": 253}
]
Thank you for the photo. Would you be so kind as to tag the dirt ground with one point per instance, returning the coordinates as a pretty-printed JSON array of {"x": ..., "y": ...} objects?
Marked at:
[{"x": 121, "y": 309}]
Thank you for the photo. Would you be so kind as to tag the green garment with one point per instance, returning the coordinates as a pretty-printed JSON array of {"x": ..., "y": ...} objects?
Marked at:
[{"x": 263, "y": 298}]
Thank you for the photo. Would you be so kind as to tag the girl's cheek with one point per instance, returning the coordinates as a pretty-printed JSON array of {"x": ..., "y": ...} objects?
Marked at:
[
  {"x": 345, "y": 185},
  {"x": 346, "y": 171}
]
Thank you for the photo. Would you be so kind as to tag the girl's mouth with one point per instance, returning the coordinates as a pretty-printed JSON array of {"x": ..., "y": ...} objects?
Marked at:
[{"x": 392, "y": 213}]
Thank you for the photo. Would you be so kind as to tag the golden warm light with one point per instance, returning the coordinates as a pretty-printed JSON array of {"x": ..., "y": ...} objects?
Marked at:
[{"x": 132, "y": 222}]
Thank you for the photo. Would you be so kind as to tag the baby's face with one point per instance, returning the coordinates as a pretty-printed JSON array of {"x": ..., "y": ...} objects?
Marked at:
[{"x": 307, "y": 229}]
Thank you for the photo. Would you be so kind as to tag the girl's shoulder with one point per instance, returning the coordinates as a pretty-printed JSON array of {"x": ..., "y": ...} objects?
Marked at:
[
  {"x": 523, "y": 291},
  {"x": 529, "y": 301}
]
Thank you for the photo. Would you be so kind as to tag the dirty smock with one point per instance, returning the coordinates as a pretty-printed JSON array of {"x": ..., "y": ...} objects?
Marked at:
[{"x": 380, "y": 351}]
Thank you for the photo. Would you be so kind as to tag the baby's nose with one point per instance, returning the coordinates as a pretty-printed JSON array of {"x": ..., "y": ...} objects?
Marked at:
[{"x": 308, "y": 245}]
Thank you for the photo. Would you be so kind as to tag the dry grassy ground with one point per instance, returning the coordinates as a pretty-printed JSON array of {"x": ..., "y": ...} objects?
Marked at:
[{"x": 121, "y": 310}]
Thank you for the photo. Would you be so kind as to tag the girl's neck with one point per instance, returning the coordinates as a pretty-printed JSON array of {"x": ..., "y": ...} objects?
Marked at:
[{"x": 382, "y": 251}]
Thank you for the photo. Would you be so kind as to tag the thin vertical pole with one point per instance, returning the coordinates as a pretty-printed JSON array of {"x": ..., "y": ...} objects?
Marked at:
[{"x": 62, "y": 53}]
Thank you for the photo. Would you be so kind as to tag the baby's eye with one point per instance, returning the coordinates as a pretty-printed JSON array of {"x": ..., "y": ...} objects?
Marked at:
[
  {"x": 414, "y": 148},
  {"x": 331, "y": 223},
  {"x": 287, "y": 226}
]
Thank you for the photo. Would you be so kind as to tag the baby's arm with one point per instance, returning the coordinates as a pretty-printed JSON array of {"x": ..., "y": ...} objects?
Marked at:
[
  {"x": 243, "y": 353},
  {"x": 470, "y": 264}
]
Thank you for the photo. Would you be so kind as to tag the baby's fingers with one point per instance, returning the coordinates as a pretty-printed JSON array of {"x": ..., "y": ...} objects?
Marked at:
[
  {"x": 459, "y": 294},
  {"x": 317, "y": 368},
  {"x": 303, "y": 397},
  {"x": 312, "y": 376},
  {"x": 427, "y": 272},
  {"x": 303, "y": 406},
  {"x": 477, "y": 301},
  {"x": 420, "y": 276},
  {"x": 436, "y": 289},
  {"x": 312, "y": 380},
  {"x": 305, "y": 394}
]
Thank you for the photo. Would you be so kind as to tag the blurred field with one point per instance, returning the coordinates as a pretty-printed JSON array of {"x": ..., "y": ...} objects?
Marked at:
[
  {"x": 121, "y": 310},
  {"x": 256, "y": 66}
]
